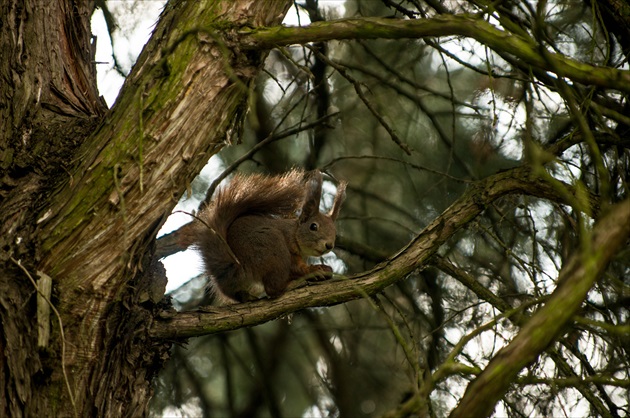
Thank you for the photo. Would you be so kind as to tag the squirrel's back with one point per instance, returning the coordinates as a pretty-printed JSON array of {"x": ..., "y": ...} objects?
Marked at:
[{"x": 255, "y": 194}]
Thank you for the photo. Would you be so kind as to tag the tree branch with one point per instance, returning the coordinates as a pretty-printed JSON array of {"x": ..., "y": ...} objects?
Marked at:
[
  {"x": 524, "y": 49},
  {"x": 174, "y": 111},
  {"x": 415, "y": 255}
]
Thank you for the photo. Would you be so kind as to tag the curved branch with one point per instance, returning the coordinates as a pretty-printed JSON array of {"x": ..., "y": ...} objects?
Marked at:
[
  {"x": 415, "y": 255},
  {"x": 524, "y": 49}
]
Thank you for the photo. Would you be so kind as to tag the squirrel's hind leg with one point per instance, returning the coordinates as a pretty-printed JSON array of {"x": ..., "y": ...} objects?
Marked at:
[
  {"x": 238, "y": 289},
  {"x": 276, "y": 272},
  {"x": 277, "y": 281}
]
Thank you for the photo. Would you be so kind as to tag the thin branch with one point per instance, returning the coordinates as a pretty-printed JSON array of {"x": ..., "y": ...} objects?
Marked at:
[
  {"x": 574, "y": 282},
  {"x": 253, "y": 150},
  {"x": 359, "y": 90},
  {"x": 396, "y": 160},
  {"x": 576, "y": 381}
]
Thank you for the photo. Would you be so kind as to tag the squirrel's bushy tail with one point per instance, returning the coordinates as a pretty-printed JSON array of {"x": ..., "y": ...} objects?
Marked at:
[{"x": 280, "y": 195}]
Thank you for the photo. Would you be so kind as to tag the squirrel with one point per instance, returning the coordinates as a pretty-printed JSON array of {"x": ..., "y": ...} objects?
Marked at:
[{"x": 257, "y": 232}]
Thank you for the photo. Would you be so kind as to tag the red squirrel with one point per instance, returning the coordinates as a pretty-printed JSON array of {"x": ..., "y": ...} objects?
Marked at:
[{"x": 255, "y": 235}]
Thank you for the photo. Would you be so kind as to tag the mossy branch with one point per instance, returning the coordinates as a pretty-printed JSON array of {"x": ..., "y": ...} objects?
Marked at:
[{"x": 522, "y": 48}]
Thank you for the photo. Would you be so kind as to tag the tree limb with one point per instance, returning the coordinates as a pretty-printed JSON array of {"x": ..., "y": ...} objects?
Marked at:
[
  {"x": 524, "y": 49},
  {"x": 415, "y": 255}
]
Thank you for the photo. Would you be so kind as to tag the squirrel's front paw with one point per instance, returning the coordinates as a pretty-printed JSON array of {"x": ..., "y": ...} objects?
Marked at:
[{"x": 320, "y": 272}]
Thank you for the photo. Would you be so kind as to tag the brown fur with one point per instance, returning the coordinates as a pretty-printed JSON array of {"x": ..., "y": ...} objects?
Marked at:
[{"x": 254, "y": 243}]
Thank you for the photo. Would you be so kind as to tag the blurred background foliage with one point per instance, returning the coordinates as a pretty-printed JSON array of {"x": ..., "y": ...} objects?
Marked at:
[{"x": 410, "y": 124}]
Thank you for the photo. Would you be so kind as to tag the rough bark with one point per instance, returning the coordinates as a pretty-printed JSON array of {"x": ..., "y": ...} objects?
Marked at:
[
  {"x": 85, "y": 190},
  {"x": 49, "y": 100}
]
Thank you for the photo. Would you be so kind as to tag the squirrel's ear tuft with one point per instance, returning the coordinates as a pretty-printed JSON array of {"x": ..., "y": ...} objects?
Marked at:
[
  {"x": 313, "y": 195},
  {"x": 339, "y": 198}
]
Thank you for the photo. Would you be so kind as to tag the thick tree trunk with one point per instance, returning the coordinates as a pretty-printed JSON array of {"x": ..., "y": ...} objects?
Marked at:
[
  {"x": 48, "y": 103},
  {"x": 84, "y": 191}
]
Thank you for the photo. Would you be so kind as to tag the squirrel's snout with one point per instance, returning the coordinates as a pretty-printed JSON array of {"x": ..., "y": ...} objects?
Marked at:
[{"x": 330, "y": 245}]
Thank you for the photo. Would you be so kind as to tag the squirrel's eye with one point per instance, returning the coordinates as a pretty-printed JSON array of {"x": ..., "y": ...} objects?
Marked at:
[{"x": 314, "y": 227}]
